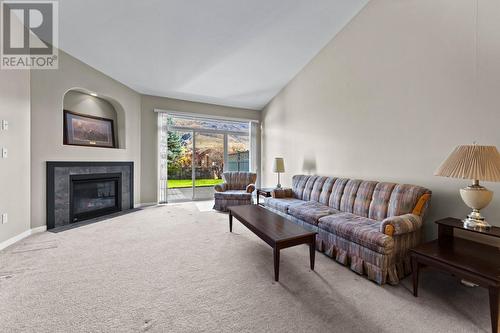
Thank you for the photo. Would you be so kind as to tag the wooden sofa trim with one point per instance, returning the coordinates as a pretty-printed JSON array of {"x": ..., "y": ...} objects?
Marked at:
[{"x": 419, "y": 207}]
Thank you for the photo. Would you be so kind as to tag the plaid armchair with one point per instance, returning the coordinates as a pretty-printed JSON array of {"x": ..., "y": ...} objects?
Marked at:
[{"x": 236, "y": 190}]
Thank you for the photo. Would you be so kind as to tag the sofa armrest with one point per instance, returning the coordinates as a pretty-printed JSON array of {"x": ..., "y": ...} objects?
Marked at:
[
  {"x": 220, "y": 187},
  {"x": 402, "y": 224},
  {"x": 281, "y": 193},
  {"x": 250, "y": 188}
]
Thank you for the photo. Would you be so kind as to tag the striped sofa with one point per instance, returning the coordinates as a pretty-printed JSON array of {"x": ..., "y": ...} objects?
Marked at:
[{"x": 366, "y": 225}]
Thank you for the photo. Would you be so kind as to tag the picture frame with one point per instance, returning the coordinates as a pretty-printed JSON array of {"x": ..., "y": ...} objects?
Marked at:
[{"x": 88, "y": 131}]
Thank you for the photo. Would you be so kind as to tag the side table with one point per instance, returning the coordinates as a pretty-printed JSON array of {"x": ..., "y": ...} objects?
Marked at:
[
  {"x": 265, "y": 192},
  {"x": 469, "y": 260}
]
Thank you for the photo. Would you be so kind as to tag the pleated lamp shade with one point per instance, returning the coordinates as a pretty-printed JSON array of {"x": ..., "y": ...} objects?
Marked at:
[{"x": 472, "y": 162}]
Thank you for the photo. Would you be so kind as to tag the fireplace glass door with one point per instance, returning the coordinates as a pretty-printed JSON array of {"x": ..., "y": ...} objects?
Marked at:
[{"x": 94, "y": 195}]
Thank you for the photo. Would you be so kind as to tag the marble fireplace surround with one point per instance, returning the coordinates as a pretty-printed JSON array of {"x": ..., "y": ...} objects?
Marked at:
[{"x": 58, "y": 186}]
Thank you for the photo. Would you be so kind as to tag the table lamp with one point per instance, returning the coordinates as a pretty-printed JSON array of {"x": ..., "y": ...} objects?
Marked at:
[
  {"x": 278, "y": 167},
  {"x": 476, "y": 163}
]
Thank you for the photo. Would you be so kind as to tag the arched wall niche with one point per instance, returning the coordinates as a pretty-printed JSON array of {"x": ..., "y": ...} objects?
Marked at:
[{"x": 85, "y": 101}]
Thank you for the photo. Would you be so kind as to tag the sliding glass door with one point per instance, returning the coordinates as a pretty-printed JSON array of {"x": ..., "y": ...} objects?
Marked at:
[
  {"x": 238, "y": 154},
  {"x": 179, "y": 176},
  {"x": 209, "y": 163},
  {"x": 194, "y": 152}
]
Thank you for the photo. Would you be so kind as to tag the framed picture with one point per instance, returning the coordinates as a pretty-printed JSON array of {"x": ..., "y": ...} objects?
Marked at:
[{"x": 90, "y": 131}]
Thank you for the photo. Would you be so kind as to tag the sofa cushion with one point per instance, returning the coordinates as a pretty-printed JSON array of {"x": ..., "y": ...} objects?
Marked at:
[
  {"x": 404, "y": 198},
  {"x": 281, "y": 204},
  {"x": 310, "y": 211},
  {"x": 337, "y": 192},
  {"x": 349, "y": 195},
  {"x": 298, "y": 185},
  {"x": 233, "y": 195},
  {"x": 364, "y": 198},
  {"x": 317, "y": 189},
  {"x": 308, "y": 189},
  {"x": 326, "y": 190},
  {"x": 380, "y": 201},
  {"x": 359, "y": 230}
]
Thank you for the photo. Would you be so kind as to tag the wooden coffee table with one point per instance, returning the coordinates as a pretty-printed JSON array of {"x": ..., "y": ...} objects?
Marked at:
[{"x": 275, "y": 230}]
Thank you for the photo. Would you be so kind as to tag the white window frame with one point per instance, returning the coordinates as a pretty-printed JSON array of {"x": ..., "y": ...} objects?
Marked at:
[{"x": 251, "y": 137}]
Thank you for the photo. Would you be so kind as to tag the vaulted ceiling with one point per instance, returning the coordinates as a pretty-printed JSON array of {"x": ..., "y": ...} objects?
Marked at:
[{"x": 229, "y": 52}]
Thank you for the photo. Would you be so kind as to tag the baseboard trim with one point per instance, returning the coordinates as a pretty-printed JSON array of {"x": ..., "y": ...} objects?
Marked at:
[
  {"x": 38, "y": 229},
  {"x": 145, "y": 204},
  {"x": 21, "y": 236}
]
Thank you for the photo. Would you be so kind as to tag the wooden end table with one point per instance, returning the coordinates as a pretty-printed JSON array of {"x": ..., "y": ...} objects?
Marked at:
[
  {"x": 469, "y": 260},
  {"x": 265, "y": 192},
  {"x": 275, "y": 230}
]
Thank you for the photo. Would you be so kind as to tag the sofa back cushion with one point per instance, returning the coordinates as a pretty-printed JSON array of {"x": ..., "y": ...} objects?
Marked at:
[
  {"x": 308, "y": 188},
  {"x": 298, "y": 184},
  {"x": 404, "y": 198},
  {"x": 326, "y": 190},
  {"x": 364, "y": 198},
  {"x": 380, "y": 201},
  {"x": 337, "y": 192},
  {"x": 349, "y": 195},
  {"x": 375, "y": 200},
  {"x": 318, "y": 188}
]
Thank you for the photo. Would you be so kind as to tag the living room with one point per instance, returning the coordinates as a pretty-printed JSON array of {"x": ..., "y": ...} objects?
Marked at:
[{"x": 184, "y": 116}]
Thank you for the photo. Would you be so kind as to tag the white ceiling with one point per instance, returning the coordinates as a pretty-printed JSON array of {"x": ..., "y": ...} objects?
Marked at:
[{"x": 228, "y": 52}]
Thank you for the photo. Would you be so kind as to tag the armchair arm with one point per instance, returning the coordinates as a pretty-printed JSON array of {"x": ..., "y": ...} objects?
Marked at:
[
  {"x": 282, "y": 193},
  {"x": 250, "y": 188},
  {"x": 220, "y": 187},
  {"x": 402, "y": 224}
]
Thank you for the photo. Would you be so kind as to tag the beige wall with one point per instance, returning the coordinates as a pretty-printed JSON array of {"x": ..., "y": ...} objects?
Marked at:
[
  {"x": 149, "y": 137},
  {"x": 47, "y": 91},
  {"x": 390, "y": 97},
  {"x": 15, "y": 169}
]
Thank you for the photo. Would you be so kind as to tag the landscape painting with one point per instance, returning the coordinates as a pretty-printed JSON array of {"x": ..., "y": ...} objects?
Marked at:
[{"x": 85, "y": 130}]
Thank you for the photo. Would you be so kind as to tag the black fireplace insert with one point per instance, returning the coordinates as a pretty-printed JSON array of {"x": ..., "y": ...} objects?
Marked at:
[{"x": 94, "y": 195}]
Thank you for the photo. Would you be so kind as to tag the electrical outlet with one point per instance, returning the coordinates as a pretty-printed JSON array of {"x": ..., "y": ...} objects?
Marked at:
[
  {"x": 5, "y": 125},
  {"x": 4, "y": 218},
  {"x": 5, "y": 153}
]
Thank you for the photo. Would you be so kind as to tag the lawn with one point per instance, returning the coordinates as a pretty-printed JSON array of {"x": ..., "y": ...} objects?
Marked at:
[{"x": 180, "y": 183}]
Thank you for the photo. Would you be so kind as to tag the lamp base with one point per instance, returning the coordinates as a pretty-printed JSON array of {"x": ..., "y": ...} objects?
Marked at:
[
  {"x": 278, "y": 185},
  {"x": 476, "y": 197},
  {"x": 475, "y": 222}
]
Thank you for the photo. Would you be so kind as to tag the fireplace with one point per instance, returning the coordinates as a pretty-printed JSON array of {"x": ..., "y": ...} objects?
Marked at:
[
  {"x": 94, "y": 195},
  {"x": 77, "y": 191}
]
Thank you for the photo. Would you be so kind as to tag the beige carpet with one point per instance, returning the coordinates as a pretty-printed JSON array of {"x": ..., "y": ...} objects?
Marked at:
[{"x": 178, "y": 269}]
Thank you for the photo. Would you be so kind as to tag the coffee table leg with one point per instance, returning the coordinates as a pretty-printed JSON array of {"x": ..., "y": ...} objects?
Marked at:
[
  {"x": 276, "y": 254},
  {"x": 230, "y": 222},
  {"x": 415, "y": 267},
  {"x": 312, "y": 253},
  {"x": 494, "y": 309}
]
